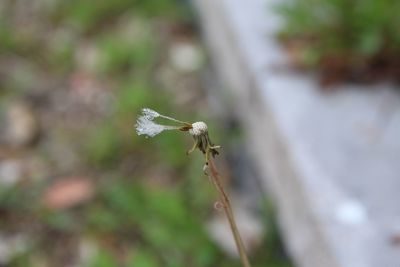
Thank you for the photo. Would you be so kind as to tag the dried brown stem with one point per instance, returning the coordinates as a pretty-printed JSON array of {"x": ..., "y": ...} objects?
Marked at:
[{"x": 213, "y": 174}]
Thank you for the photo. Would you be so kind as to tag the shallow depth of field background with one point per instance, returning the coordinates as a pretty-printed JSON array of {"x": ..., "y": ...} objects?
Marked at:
[{"x": 77, "y": 186}]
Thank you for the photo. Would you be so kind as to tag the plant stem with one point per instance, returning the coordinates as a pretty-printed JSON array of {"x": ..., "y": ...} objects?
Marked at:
[{"x": 213, "y": 174}]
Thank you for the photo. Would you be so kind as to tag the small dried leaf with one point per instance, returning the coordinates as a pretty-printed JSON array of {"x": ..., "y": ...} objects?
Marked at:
[{"x": 68, "y": 192}]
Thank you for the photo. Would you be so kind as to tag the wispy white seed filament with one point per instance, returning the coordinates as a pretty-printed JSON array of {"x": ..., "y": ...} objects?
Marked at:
[
  {"x": 172, "y": 119},
  {"x": 145, "y": 124},
  {"x": 150, "y": 114},
  {"x": 150, "y": 128}
]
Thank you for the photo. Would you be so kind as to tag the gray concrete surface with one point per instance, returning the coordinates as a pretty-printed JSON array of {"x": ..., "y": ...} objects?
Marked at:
[{"x": 330, "y": 160}]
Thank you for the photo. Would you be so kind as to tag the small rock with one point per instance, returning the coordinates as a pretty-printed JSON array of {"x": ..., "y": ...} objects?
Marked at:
[
  {"x": 11, "y": 172},
  {"x": 21, "y": 125},
  {"x": 185, "y": 57}
]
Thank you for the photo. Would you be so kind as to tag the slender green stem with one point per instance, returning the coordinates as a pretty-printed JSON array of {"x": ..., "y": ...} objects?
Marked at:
[
  {"x": 213, "y": 174},
  {"x": 175, "y": 120}
]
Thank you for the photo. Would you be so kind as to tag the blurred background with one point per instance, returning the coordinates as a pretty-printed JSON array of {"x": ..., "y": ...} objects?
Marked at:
[
  {"x": 77, "y": 186},
  {"x": 357, "y": 41}
]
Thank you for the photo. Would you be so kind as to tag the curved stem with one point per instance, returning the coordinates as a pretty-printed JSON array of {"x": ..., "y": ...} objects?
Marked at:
[
  {"x": 213, "y": 173},
  {"x": 175, "y": 120}
]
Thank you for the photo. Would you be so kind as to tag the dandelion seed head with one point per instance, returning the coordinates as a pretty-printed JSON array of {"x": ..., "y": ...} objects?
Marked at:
[
  {"x": 198, "y": 128},
  {"x": 150, "y": 114}
]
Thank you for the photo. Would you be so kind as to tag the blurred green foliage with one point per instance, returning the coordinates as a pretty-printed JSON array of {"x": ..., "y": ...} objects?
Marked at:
[
  {"x": 157, "y": 217},
  {"x": 356, "y": 33}
]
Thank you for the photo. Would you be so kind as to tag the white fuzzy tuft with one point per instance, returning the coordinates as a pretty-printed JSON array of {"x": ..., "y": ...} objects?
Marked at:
[
  {"x": 198, "y": 128},
  {"x": 150, "y": 114},
  {"x": 150, "y": 128}
]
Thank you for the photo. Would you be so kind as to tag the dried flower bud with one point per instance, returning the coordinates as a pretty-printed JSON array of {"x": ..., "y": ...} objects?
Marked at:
[{"x": 198, "y": 128}]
